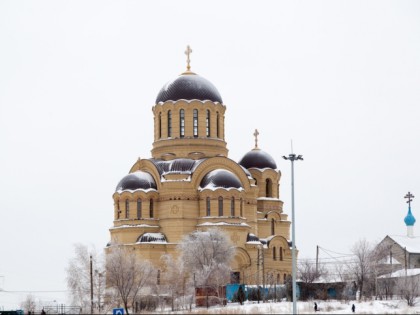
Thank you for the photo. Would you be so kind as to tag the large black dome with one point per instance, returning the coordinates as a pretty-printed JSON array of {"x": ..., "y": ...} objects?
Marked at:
[
  {"x": 136, "y": 180},
  {"x": 220, "y": 178},
  {"x": 189, "y": 86},
  {"x": 259, "y": 159}
]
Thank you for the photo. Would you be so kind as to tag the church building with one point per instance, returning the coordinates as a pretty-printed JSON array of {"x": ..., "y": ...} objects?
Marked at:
[{"x": 189, "y": 183}]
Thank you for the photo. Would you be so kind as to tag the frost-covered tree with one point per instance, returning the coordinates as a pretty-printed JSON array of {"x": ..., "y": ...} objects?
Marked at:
[
  {"x": 79, "y": 278},
  {"x": 177, "y": 284},
  {"x": 207, "y": 256},
  {"x": 127, "y": 274}
]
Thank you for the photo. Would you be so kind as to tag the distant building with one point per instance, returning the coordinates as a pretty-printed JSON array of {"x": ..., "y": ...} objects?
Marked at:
[
  {"x": 400, "y": 257},
  {"x": 189, "y": 183}
]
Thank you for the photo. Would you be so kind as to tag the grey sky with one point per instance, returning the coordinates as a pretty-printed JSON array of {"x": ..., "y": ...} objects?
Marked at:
[{"x": 78, "y": 80}]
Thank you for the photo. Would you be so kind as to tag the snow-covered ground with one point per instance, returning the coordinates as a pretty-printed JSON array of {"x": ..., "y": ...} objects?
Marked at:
[
  {"x": 9, "y": 301},
  {"x": 325, "y": 307}
]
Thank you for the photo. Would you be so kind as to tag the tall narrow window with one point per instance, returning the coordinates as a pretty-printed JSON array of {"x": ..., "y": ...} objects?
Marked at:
[
  {"x": 220, "y": 206},
  {"x": 268, "y": 188},
  {"x": 217, "y": 126},
  {"x": 151, "y": 208},
  {"x": 232, "y": 207},
  {"x": 242, "y": 207},
  {"x": 274, "y": 253},
  {"x": 118, "y": 209},
  {"x": 195, "y": 123},
  {"x": 281, "y": 253},
  {"x": 278, "y": 278},
  {"x": 208, "y": 206},
  {"x": 160, "y": 125},
  {"x": 138, "y": 208},
  {"x": 158, "y": 278},
  {"x": 273, "y": 232},
  {"x": 182, "y": 123},
  {"x": 169, "y": 124},
  {"x": 208, "y": 123},
  {"x": 127, "y": 208}
]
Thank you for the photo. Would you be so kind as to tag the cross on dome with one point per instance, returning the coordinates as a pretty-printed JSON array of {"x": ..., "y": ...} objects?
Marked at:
[
  {"x": 256, "y": 133},
  {"x": 410, "y": 197},
  {"x": 188, "y": 51}
]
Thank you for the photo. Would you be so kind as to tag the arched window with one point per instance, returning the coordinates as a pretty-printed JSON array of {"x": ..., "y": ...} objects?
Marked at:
[
  {"x": 220, "y": 206},
  {"x": 127, "y": 208},
  {"x": 160, "y": 125},
  {"x": 169, "y": 124},
  {"x": 208, "y": 123},
  {"x": 273, "y": 232},
  {"x": 268, "y": 188},
  {"x": 284, "y": 278},
  {"x": 118, "y": 209},
  {"x": 195, "y": 123},
  {"x": 151, "y": 208},
  {"x": 281, "y": 253},
  {"x": 274, "y": 253},
  {"x": 242, "y": 207},
  {"x": 182, "y": 123},
  {"x": 278, "y": 278},
  {"x": 138, "y": 208},
  {"x": 232, "y": 207},
  {"x": 208, "y": 206},
  {"x": 217, "y": 126}
]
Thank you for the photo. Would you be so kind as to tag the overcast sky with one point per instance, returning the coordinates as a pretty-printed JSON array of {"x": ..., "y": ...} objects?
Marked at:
[{"x": 78, "y": 80}]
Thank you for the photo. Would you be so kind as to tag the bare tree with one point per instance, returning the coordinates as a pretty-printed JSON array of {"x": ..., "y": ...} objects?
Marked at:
[
  {"x": 362, "y": 267},
  {"x": 127, "y": 274},
  {"x": 29, "y": 304},
  {"x": 207, "y": 255},
  {"x": 79, "y": 278},
  {"x": 308, "y": 272},
  {"x": 409, "y": 289}
]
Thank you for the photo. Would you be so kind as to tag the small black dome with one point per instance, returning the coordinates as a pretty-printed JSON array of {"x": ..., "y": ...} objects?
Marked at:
[
  {"x": 189, "y": 86},
  {"x": 220, "y": 178},
  {"x": 136, "y": 180},
  {"x": 259, "y": 159}
]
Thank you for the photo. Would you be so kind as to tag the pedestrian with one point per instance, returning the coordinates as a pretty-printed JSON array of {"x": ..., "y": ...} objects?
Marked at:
[
  {"x": 353, "y": 308},
  {"x": 315, "y": 306},
  {"x": 43, "y": 312}
]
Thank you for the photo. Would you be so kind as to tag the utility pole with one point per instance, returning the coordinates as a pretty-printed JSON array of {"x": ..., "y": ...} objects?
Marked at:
[
  {"x": 263, "y": 270},
  {"x": 258, "y": 274},
  {"x": 316, "y": 265},
  {"x": 91, "y": 286},
  {"x": 292, "y": 158}
]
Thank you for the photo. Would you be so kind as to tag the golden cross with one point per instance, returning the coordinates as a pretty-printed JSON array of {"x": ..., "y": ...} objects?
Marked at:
[
  {"x": 188, "y": 52},
  {"x": 256, "y": 133}
]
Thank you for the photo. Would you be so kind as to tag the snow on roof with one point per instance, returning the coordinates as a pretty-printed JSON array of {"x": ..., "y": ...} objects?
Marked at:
[
  {"x": 134, "y": 190},
  {"x": 268, "y": 198},
  {"x": 126, "y": 226},
  {"x": 411, "y": 244},
  {"x": 401, "y": 273},
  {"x": 222, "y": 223}
]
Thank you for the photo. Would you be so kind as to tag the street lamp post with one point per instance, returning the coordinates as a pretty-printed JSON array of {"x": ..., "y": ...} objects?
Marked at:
[{"x": 292, "y": 158}]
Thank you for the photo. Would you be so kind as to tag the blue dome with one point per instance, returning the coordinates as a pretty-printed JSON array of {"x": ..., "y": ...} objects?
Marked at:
[
  {"x": 259, "y": 159},
  {"x": 189, "y": 86},
  {"x": 409, "y": 219},
  {"x": 136, "y": 180}
]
